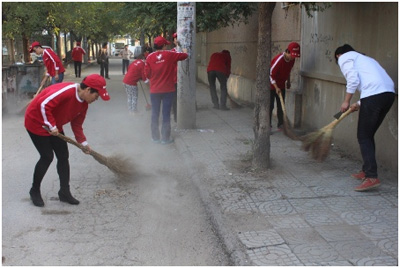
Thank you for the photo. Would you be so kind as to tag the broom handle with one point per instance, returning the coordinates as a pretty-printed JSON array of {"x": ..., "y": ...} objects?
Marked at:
[
  {"x": 69, "y": 140},
  {"x": 282, "y": 103},
  {"x": 336, "y": 121}
]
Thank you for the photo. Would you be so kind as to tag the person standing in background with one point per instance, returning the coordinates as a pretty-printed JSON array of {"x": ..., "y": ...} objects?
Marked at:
[
  {"x": 219, "y": 68},
  {"x": 77, "y": 54},
  {"x": 377, "y": 96},
  {"x": 160, "y": 70},
  {"x": 55, "y": 68},
  {"x": 281, "y": 67},
  {"x": 126, "y": 54},
  {"x": 104, "y": 61}
]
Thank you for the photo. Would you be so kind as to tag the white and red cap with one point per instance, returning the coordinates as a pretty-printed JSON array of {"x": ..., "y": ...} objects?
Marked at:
[
  {"x": 34, "y": 44},
  {"x": 98, "y": 83},
  {"x": 160, "y": 41},
  {"x": 294, "y": 49}
]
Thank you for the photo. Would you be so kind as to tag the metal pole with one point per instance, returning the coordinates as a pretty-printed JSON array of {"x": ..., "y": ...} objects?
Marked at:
[{"x": 186, "y": 93}]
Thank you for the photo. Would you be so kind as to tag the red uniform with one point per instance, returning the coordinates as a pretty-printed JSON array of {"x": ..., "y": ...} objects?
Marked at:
[
  {"x": 160, "y": 69},
  {"x": 220, "y": 62},
  {"x": 135, "y": 73},
  {"x": 52, "y": 62},
  {"x": 280, "y": 71},
  {"x": 77, "y": 53},
  {"x": 56, "y": 106}
]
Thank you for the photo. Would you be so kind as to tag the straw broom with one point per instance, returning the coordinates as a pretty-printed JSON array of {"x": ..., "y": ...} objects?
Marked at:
[
  {"x": 319, "y": 142},
  {"x": 117, "y": 164},
  {"x": 287, "y": 129}
]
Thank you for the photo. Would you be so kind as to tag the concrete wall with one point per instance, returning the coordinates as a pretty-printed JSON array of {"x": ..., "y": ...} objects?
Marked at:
[{"x": 318, "y": 87}]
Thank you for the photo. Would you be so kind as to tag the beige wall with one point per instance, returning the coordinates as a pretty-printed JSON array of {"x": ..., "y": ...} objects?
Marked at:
[{"x": 318, "y": 87}]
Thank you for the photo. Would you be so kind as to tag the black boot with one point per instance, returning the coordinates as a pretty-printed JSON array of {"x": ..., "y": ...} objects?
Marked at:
[
  {"x": 66, "y": 196},
  {"x": 36, "y": 197}
]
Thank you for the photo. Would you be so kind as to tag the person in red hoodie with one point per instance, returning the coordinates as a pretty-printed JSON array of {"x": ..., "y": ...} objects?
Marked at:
[
  {"x": 54, "y": 66},
  {"x": 160, "y": 70},
  {"x": 77, "y": 54},
  {"x": 45, "y": 117},
  {"x": 134, "y": 74},
  {"x": 281, "y": 66},
  {"x": 219, "y": 68}
]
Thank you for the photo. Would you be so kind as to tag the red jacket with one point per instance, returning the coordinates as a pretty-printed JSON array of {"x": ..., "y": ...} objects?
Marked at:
[
  {"x": 220, "y": 62},
  {"x": 56, "y": 106},
  {"x": 135, "y": 73},
  {"x": 77, "y": 53},
  {"x": 280, "y": 71},
  {"x": 160, "y": 70},
  {"x": 52, "y": 62}
]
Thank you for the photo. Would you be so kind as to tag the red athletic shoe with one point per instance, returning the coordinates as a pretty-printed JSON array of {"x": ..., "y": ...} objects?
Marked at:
[
  {"x": 359, "y": 176},
  {"x": 367, "y": 184}
]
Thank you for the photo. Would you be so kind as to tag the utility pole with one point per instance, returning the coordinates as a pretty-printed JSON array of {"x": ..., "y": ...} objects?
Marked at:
[{"x": 186, "y": 92}]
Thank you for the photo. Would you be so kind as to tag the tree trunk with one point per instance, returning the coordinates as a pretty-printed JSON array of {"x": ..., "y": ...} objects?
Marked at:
[
  {"x": 25, "y": 45},
  {"x": 59, "y": 45},
  {"x": 262, "y": 129},
  {"x": 12, "y": 51}
]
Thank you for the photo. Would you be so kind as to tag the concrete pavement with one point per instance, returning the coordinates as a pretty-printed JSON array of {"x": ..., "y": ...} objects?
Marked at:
[{"x": 299, "y": 212}]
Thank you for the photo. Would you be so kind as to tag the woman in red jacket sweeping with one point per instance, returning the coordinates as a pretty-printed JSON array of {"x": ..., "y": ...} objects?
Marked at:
[
  {"x": 160, "y": 70},
  {"x": 52, "y": 108}
]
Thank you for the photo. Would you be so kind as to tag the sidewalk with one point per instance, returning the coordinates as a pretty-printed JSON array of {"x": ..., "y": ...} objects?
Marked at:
[{"x": 300, "y": 212}]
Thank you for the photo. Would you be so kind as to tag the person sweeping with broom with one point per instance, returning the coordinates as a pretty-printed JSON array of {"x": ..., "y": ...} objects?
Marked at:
[
  {"x": 54, "y": 107},
  {"x": 377, "y": 95},
  {"x": 281, "y": 67}
]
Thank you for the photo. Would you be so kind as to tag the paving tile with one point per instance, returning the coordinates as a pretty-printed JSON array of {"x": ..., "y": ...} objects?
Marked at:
[
  {"x": 377, "y": 231},
  {"x": 308, "y": 205},
  {"x": 256, "y": 239},
  {"x": 389, "y": 245},
  {"x": 388, "y": 214},
  {"x": 297, "y": 192},
  {"x": 327, "y": 191},
  {"x": 273, "y": 256},
  {"x": 319, "y": 218},
  {"x": 300, "y": 236},
  {"x": 316, "y": 253},
  {"x": 265, "y": 194},
  {"x": 287, "y": 221},
  {"x": 373, "y": 202},
  {"x": 360, "y": 217},
  {"x": 276, "y": 207},
  {"x": 340, "y": 232},
  {"x": 378, "y": 261},
  {"x": 280, "y": 182},
  {"x": 341, "y": 204},
  {"x": 357, "y": 249}
]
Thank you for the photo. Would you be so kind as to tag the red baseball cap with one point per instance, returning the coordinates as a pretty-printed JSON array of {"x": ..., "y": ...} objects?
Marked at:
[
  {"x": 175, "y": 35},
  {"x": 160, "y": 41},
  {"x": 294, "y": 49},
  {"x": 98, "y": 83},
  {"x": 78, "y": 43},
  {"x": 34, "y": 44}
]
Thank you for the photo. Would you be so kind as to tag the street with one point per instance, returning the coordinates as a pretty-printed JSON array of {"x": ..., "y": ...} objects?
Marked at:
[{"x": 155, "y": 217}]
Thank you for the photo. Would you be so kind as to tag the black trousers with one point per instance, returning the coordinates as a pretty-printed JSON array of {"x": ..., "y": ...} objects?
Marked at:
[
  {"x": 78, "y": 67},
  {"x": 279, "y": 111},
  {"x": 104, "y": 69},
  {"x": 373, "y": 110},
  {"x": 47, "y": 146},
  {"x": 222, "y": 79},
  {"x": 125, "y": 65}
]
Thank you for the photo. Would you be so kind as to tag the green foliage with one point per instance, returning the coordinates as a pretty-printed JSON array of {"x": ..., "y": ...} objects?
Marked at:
[
  {"x": 100, "y": 21},
  {"x": 311, "y": 7}
]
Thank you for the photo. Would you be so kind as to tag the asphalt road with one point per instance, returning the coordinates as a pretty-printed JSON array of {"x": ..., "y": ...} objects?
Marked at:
[{"x": 156, "y": 217}]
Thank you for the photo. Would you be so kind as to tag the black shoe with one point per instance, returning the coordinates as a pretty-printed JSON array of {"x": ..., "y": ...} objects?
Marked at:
[
  {"x": 108, "y": 78},
  {"x": 36, "y": 198},
  {"x": 224, "y": 108},
  {"x": 66, "y": 196}
]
